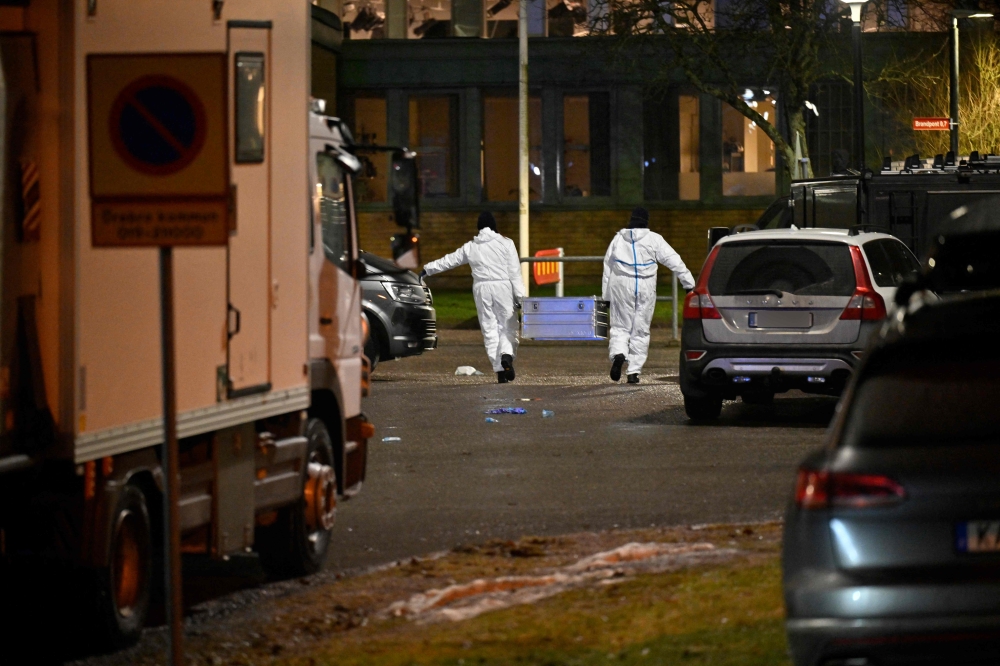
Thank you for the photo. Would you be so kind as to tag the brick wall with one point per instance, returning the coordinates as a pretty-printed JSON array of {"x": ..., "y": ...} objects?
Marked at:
[{"x": 579, "y": 233}]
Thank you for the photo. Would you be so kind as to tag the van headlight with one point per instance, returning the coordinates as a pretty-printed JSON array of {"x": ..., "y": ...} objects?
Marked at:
[{"x": 406, "y": 293}]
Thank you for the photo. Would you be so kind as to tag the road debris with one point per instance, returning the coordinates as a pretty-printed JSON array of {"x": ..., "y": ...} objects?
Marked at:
[
  {"x": 465, "y": 601},
  {"x": 547, "y": 413},
  {"x": 506, "y": 410},
  {"x": 392, "y": 439},
  {"x": 491, "y": 420},
  {"x": 467, "y": 371}
]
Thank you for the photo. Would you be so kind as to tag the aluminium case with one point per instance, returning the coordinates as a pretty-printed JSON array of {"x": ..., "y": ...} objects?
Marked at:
[{"x": 572, "y": 318}]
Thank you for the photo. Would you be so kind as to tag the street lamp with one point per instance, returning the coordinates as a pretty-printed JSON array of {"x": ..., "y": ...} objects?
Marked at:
[
  {"x": 955, "y": 15},
  {"x": 859, "y": 84}
]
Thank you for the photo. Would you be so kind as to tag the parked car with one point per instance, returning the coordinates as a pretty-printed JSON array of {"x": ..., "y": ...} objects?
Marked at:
[
  {"x": 892, "y": 541},
  {"x": 785, "y": 309},
  {"x": 400, "y": 311}
]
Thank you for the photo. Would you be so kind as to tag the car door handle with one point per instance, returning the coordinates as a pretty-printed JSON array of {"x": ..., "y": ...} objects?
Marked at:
[
  {"x": 232, "y": 324},
  {"x": 326, "y": 321}
]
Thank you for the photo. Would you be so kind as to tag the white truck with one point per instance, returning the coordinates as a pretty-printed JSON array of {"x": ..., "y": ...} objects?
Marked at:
[{"x": 269, "y": 330}]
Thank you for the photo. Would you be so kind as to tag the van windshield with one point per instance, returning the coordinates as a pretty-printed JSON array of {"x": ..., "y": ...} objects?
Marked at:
[{"x": 795, "y": 267}]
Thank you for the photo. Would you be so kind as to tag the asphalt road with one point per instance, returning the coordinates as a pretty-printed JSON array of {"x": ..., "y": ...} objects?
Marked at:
[{"x": 614, "y": 455}]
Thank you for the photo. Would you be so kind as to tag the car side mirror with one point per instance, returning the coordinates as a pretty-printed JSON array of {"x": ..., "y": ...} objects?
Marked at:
[{"x": 405, "y": 187}]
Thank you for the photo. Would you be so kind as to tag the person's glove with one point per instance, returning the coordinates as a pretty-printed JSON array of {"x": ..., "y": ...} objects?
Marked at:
[
  {"x": 517, "y": 303},
  {"x": 423, "y": 274}
]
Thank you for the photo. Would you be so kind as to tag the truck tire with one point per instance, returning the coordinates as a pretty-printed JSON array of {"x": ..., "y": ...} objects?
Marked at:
[
  {"x": 124, "y": 584},
  {"x": 703, "y": 409},
  {"x": 297, "y": 542}
]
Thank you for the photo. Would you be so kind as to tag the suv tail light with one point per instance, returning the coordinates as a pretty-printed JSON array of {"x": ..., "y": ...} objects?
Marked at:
[
  {"x": 698, "y": 304},
  {"x": 816, "y": 489},
  {"x": 865, "y": 304}
]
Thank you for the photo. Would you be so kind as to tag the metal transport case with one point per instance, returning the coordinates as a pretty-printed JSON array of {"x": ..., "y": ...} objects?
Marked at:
[{"x": 554, "y": 318}]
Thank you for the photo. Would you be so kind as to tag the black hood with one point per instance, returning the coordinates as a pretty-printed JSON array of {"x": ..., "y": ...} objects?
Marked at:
[{"x": 380, "y": 268}]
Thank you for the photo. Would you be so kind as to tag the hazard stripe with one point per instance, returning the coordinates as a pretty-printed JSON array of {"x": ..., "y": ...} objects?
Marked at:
[{"x": 31, "y": 196}]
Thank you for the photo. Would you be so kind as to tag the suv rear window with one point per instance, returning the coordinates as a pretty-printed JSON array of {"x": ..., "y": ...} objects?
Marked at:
[
  {"x": 805, "y": 268},
  {"x": 891, "y": 262},
  {"x": 934, "y": 401}
]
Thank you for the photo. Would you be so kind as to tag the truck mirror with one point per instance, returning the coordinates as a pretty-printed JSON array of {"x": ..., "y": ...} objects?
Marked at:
[
  {"x": 404, "y": 186},
  {"x": 716, "y": 233}
]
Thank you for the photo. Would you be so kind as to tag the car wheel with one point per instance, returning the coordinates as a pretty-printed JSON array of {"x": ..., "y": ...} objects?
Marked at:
[
  {"x": 297, "y": 542},
  {"x": 703, "y": 409},
  {"x": 372, "y": 350},
  {"x": 124, "y": 584}
]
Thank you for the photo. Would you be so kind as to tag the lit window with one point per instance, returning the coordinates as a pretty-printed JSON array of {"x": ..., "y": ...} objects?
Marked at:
[
  {"x": 371, "y": 184},
  {"x": 748, "y": 156},
  {"x": 249, "y": 107},
  {"x": 586, "y": 145},
  {"x": 434, "y": 137},
  {"x": 689, "y": 175},
  {"x": 500, "y": 148}
]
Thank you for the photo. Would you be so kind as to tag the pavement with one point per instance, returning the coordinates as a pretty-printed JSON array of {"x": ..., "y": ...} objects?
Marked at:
[
  {"x": 613, "y": 455},
  {"x": 613, "y": 458}
]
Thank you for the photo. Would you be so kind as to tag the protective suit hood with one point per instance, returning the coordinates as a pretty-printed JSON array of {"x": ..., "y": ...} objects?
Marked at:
[
  {"x": 486, "y": 235},
  {"x": 636, "y": 234}
]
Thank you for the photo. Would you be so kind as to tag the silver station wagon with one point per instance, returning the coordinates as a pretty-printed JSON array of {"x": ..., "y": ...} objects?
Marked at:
[{"x": 785, "y": 309}]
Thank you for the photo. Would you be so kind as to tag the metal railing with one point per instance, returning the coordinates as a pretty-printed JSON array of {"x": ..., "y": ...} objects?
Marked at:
[{"x": 672, "y": 299}]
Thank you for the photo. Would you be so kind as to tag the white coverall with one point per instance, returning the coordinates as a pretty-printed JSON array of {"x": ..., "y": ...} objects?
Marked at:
[
  {"x": 496, "y": 283},
  {"x": 630, "y": 284}
]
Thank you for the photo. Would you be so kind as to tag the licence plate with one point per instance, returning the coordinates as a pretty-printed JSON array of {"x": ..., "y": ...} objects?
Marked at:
[
  {"x": 781, "y": 319},
  {"x": 978, "y": 536}
]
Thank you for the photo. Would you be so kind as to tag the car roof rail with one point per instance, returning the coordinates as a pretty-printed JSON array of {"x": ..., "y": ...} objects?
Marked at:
[{"x": 857, "y": 229}]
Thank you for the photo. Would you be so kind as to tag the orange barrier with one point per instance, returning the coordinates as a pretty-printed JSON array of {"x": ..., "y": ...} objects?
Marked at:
[{"x": 546, "y": 272}]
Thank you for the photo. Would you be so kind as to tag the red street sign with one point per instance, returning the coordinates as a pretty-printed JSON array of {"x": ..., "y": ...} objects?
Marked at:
[{"x": 926, "y": 124}]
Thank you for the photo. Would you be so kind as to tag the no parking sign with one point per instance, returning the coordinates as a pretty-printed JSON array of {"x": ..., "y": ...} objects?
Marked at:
[{"x": 158, "y": 160}]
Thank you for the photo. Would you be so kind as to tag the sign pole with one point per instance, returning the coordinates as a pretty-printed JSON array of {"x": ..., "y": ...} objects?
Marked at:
[
  {"x": 524, "y": 192},
  {"x": 171, "y": 516}
]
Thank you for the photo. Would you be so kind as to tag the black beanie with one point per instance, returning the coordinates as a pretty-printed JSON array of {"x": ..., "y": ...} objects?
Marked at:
[
  {"x": 639, "y": 219},
  {"x": 486, "y": 219}
]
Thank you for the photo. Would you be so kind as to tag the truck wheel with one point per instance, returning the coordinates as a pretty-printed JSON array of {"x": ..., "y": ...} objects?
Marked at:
[
  {"x": 703, "y": 409},
  {"x": 296, "y": 544},
  {"x": 124, "y": 585}
]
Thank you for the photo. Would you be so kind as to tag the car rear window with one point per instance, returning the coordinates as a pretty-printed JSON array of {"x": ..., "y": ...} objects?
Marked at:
[
  {"x": 891, "y": 262},
  {"x": 809, "y": 269},
  {"x": 933, "y": 402}
]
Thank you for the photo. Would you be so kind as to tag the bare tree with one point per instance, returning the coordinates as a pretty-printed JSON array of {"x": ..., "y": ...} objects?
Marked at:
[
  {"x": 722, "y": 46},
  {"x": 917, "y": 85}
]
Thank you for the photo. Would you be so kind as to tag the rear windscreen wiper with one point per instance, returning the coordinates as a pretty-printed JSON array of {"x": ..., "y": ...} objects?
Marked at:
[{"x": 760, "y": 292}]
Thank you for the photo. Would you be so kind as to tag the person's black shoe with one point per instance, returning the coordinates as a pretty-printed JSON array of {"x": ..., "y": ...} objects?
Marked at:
[
  {"x": 502, "y": 377},
  {"x": 633, "y": 378},
  {"x": 616, "y": 367},
  {"x": 507, "y": 363}
]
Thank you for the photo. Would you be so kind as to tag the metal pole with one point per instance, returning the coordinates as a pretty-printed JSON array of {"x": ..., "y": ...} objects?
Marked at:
[
  {"x": 673, "y": 316},
  {"x": 954, "y": 87},
  {"x": 559, "y": 285},
  {"x": 859, "y": 91},
  {"x": 522, "y": 141},
  {"x": 171, "y": 517}
]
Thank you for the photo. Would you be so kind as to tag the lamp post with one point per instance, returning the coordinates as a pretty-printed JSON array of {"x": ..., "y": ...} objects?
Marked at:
[
  {"x": 953, "y": 87},
  {"x": 859, "y": 84}
]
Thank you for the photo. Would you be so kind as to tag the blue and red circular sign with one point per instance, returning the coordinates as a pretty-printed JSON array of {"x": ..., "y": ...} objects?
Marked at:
[{"x": 157, "y": 125}]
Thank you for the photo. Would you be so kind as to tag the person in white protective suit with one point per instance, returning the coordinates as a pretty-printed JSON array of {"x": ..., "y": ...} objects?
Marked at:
[
  {"x": 629, "y": 283},
  {"x": 497, "y": 288}
]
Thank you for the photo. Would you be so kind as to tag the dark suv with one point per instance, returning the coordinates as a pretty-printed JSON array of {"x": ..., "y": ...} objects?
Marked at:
[
  {"x": 785, "y": 309},
  {"x": 400, "y": 311}
]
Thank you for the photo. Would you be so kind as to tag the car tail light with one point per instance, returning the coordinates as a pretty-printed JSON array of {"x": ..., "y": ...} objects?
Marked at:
[
  {"x": 698, "y": 304},
  {"x": 815, "y": 489},
  {"x": 695, "y": 355},
  {"x": 865, "y": 304}
]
